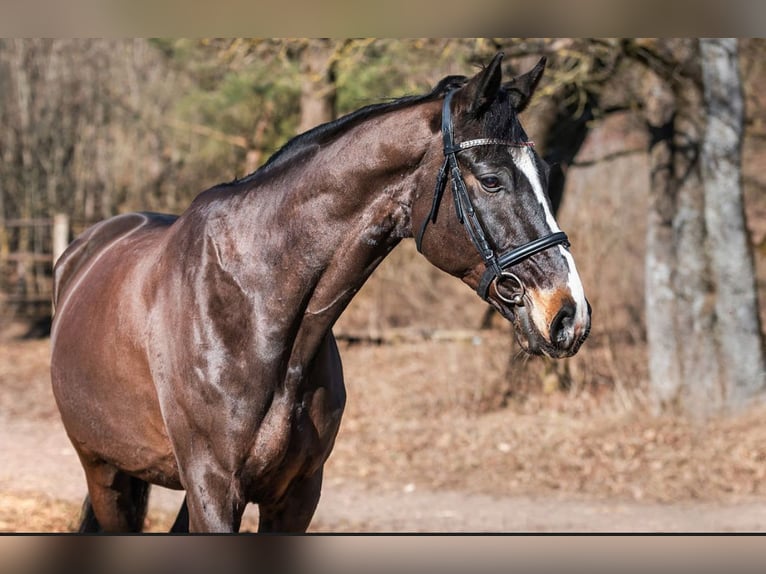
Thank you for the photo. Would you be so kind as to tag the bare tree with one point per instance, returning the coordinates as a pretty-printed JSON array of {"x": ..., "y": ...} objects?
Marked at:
[
  {"x": 738, "y": 330},
  {"x": 664, "y": 367},
  {"x": 80, "y": 124},
  {"x": 317, "y": 64},
  {"x": 79, "y": 136},
  {"x": 696, "y": 242}
]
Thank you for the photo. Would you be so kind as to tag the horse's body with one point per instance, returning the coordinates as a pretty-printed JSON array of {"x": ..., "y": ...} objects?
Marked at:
[
  {"x": 196, "y": 352},
  {"x": 144, "y": 331}
]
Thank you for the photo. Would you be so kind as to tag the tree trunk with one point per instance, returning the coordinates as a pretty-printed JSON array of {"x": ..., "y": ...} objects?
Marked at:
[
  {"x": 680, "y": 323},
  {"x": 695, "y": 317},
  {"x": 665, "y": 373},
  {"x": 317, "y": 83},
  {"x": 704, "y": 343},
  {"x": 736, "y": 307}
]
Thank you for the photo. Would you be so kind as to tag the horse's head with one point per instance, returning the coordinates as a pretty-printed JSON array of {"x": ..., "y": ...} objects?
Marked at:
[{"x": 495, "y": 227}]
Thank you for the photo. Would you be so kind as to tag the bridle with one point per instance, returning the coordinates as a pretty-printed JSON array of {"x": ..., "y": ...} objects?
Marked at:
[{"x": 496, "y": 265}]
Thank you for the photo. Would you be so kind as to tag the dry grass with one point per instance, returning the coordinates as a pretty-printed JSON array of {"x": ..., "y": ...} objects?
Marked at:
[
  {"x": 28, "y": 513},
  {"x": 443, "y": 427}
]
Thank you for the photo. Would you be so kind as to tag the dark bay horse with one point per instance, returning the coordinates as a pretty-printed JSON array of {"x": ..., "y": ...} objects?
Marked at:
[{"x": 195, "y": 352}]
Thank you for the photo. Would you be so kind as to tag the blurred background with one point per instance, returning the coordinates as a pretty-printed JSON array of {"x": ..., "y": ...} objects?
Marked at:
[{"x": 656, "y": 148}]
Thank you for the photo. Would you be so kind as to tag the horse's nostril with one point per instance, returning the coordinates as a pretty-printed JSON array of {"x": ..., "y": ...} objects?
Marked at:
[{"x": 562, "y": 326}]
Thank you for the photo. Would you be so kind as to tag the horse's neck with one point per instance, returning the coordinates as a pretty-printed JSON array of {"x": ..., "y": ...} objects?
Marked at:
[
  {"x": 382, "y": 164},
  {"x": 309, "y": 237}
]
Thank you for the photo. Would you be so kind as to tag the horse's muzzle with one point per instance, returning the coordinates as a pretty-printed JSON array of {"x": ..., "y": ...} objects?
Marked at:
[{"x": 566, "y": 333}]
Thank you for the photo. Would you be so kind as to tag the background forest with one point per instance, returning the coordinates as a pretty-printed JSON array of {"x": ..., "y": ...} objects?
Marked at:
[{"x": 94, "y": 127}]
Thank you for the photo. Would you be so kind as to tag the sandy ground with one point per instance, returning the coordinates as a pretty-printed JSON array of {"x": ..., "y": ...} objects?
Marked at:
[{"x": 420, "y": 454}]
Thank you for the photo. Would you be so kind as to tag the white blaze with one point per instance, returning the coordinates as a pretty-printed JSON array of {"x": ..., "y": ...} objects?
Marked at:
[{"x": 525, "y": 161}]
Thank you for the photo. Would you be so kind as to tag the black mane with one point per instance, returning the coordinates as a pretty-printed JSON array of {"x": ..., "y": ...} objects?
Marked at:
[{"x": 326, "y": 132}]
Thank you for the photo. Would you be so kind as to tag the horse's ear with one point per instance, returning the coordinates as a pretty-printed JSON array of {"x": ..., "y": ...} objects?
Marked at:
[
  {"x": 483, "y": 87},
  {"x": 521, "y": 88}
]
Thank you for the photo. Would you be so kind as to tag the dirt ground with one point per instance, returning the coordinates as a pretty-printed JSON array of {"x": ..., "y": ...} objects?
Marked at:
[{"x": 434, "y": 440}]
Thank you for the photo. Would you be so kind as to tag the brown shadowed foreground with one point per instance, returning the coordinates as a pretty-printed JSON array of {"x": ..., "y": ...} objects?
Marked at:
[
  {"x": 195, "y": 352},
  {"x": 445, "y": 449}
]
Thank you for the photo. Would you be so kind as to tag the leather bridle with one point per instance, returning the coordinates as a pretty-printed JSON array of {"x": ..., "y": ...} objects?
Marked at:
[{"x": 496, "y": 265}]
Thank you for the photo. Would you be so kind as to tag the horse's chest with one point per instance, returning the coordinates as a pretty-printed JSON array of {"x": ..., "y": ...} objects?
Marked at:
[{"x": 292, "y": 443}]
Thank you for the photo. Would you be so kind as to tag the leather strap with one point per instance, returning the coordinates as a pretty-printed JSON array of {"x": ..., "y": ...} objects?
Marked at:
[
  {"x": 519, "y": 254},
  {"x": 466, "y": 213}
]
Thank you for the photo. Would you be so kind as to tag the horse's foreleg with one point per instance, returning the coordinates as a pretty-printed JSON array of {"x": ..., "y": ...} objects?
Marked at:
[
  {"x": 181, "y": 523},
  {"x": 116, "y": 502},
  {"x": 295, "y": 511},
  {"x": 211, "y": 499},
  {"x": 88, "y": 521}
]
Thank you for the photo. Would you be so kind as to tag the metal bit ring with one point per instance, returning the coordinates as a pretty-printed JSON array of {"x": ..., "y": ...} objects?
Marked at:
[{"x": 518, "y": 294}]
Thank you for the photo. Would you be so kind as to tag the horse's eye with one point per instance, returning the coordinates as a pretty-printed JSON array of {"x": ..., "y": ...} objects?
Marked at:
[{"x": 490, "y": 183}]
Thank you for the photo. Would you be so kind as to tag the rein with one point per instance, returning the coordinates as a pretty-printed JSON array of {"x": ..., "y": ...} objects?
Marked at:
[{"x": 496, "y": 265}]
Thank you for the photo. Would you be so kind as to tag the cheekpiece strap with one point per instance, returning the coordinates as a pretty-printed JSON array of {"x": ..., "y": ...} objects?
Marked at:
[{"x": 466, "y": 214}]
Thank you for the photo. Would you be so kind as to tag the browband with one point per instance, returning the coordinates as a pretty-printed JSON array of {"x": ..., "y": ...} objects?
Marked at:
[{"x": 466, "y": 214}]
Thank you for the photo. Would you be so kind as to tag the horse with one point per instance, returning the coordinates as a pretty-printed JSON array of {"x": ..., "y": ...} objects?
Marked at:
[{"x": 195, "y": 352}]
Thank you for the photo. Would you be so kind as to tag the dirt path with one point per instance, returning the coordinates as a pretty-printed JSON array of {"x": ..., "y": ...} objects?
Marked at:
[
  {"x": 417, "y": 453},
  {"x": 39, "y": 460}
]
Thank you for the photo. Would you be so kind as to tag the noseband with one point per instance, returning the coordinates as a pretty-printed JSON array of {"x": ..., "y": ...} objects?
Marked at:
[{"x": 496, "y": 265}]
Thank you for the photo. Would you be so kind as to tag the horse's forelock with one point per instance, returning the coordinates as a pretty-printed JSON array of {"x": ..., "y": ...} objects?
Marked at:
[{"x": 501, "y": 121}]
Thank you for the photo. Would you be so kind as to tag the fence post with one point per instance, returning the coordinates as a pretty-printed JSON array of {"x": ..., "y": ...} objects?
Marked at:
[{"x": 60, "y": 235}]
